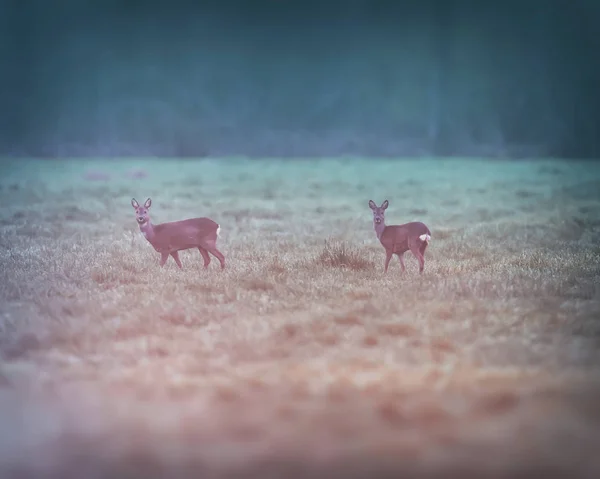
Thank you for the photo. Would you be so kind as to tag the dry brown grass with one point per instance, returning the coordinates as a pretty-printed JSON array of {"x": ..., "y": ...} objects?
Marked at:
[{"x": 301, "y": 358}]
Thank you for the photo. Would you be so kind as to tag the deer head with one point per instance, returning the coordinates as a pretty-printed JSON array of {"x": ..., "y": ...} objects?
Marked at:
[
  {"x": 378, "y": 211},
  {"x": 141, "y": 212}
]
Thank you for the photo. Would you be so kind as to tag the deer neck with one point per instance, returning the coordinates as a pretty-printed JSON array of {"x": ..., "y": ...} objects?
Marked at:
[
  {"x": 148, "y": 230},
  {"x": 379, "y": 227}
]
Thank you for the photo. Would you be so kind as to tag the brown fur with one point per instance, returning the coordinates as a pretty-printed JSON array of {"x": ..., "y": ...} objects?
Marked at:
[
  {"x": 170, "y": 238},
  {"x": 398, "y": 239}
]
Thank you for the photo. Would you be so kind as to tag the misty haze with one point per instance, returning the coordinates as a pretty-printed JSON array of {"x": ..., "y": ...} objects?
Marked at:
[{"x": 299, "y": 239}]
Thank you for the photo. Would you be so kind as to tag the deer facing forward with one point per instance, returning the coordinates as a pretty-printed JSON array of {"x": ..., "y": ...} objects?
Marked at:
[
  {"x": 398, "y": 239},
  {"x": 170, "y": 238}
]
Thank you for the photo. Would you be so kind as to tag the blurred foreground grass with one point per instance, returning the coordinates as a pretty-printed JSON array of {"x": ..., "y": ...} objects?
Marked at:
[{"x": 301, "y": 358}]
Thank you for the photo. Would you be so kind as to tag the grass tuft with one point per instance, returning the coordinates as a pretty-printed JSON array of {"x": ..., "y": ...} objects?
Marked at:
[{"x": 341, "y": 254}]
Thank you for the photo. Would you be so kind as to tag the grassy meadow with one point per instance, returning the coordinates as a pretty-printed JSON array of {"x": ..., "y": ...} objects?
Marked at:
[{"x": 301, "y": 358}]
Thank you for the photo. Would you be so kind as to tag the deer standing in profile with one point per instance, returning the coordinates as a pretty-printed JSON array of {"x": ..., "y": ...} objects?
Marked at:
[
  {"x": 170, "y": 238},
  {"x": 398, "y": 239}
]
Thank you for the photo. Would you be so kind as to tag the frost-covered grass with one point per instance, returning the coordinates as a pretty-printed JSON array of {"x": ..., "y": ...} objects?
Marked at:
[{"x": 301, "y": 357}]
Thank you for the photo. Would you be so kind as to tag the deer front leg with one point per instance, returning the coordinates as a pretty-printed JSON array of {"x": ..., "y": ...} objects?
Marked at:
[
  {"x": 175, "y": 255},
  {"x": 163, "y": 259},
  {"x": 388, "y": 257}
]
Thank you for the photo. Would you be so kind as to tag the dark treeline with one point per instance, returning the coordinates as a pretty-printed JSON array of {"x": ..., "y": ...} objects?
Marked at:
[{"x": 299, "y": 78}]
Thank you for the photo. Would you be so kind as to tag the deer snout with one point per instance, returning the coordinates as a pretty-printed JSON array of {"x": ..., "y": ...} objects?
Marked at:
[
  {"x": 377, "y": 220},
  {"x": 141, "y": 219}
]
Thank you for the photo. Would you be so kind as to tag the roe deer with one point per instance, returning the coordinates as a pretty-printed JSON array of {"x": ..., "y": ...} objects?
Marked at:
[
  {"x": 397, "y": 239},
  {"x": 170, "y": 238}
]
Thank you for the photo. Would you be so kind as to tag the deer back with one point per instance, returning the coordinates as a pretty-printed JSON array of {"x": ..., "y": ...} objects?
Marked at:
[
  {"x": 398, "y": 237},
  {"x": 185, "y": 234}
]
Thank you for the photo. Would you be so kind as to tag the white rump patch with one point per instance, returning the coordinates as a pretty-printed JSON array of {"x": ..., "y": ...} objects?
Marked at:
[
  {"x": 218, "y": 229},
  {"x": 425, "y": 237}
]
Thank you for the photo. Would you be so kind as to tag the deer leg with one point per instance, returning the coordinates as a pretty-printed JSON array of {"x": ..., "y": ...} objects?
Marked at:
[
  {"x": 422, "y": 249},
  {"x": 416, "y": 248},
  {"x": 417, "y": 253},
  {"x": 401, "y": 258},
  {"x": 388, "y": 257},
  {"x": 163, "y": 259},
  {"x": 211, "y": 247},
  {"x": 205, "y": 256},
  {"x": 175, "y": 255},
  {"x": 217, "y": 254}
]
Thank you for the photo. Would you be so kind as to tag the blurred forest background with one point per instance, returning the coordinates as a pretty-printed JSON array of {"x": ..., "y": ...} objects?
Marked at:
[{"x": 299, "y": 78}]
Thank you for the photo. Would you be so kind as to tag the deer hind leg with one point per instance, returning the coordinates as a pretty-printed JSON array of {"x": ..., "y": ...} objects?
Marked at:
[
  {"x": 175, "y": 256},
  {"x": 205, "y": 256},
  {"x": 401, "y": 258},
  {"x": 415, "y": 249},
  {"x": 422, "y": 249},
  {"x": 211, "y": 247},
  {"x": 219, "y": 256}
]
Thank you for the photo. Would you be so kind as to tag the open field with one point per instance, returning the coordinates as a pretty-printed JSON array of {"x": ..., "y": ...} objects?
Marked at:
[{"x": 301, "y": 358}]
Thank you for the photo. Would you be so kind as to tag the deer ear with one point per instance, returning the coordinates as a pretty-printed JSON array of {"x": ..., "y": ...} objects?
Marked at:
[
  {"x": 148, "y": 203},
  {"x": 134, "y": 203},
  {"x": 372, "y": 204},
  {"x": 385, "y": 204}
]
